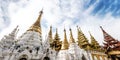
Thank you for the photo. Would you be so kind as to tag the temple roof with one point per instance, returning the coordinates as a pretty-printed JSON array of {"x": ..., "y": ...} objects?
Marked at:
[
  {"x": 107, "y": 37},
  {"x": 36, "y": 26},
  {"x": 110, "y": 42}
]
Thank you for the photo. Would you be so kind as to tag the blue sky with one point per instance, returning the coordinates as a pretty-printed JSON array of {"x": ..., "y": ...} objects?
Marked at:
[
  {"x": 105, "y": 6},
  {"x": 88, "y": 14}
]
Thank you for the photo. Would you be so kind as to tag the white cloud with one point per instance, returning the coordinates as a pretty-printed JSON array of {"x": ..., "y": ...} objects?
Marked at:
[{"x": 6, "y": 7}]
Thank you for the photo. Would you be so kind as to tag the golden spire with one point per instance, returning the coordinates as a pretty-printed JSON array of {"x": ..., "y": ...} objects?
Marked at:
[
  {"x": 91, "y": 37},
  {"x": 82, "y": 40},
  {"x": 56, "y": 31},
  {"x": 94, "y": 44},
  {"x": 56, "y": 37},
  {"x": 36, "y": 26},
  {"x": 65, "y": 44},
  {"x": 56, "y": 44},
  {"x": 79, "y": 31},
  {"x": 50, "y": 34},
  {"x": 71, "y": 37}
]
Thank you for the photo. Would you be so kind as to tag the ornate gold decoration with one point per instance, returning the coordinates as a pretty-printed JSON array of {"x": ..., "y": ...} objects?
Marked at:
[
  {"x": 65, "y": 44},
  {"x": 94, "y": 44},
  {"x": 71, "y": 37},
  {"x": 117, "y": 52},
  {"x": 82, "y": 40},
  {"x": 36, "y": 26},
  {"x": 56, "y": 44},
  {"x": 50, "y": 35}
]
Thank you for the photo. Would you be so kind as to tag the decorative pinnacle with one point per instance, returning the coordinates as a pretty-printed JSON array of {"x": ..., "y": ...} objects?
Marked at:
[
  {"x": 65, "y": 42},
  {"x": 90, "y": 33},
  {"x": 15, "y": 31},
  {"x": 71, "y": 37},
  {"x": 36, "y": 26},
  {"x": 65, "y": 37},
  {"x": 50, "y": 32},
  {"x": 91, "y": 36}
]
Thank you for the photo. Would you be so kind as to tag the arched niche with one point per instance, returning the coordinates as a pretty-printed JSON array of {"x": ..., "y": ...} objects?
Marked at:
[
  {"x": 46, "y": 58},
  {"x": 23, "y": 57}
]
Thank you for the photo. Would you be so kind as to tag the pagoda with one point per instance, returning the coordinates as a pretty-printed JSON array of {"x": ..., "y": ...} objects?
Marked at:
[
  {"x": 82, "y": 40},
  {"x": 111, "y": 45},
  {"x": 94, "y": 44},
  {"x": 56, "y": 43},
  {"x": 32, "y": 46}
]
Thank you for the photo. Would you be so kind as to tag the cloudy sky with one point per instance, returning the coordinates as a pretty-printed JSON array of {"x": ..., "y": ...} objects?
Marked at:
[{"x": 87, "y": 14}]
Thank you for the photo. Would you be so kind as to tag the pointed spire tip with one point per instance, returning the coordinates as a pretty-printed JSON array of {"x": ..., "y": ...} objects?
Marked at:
[
  {"x": 41, "y": 11},
  {"x": 65, "y": 42},
  {"x": 64, "y": 30},
  {"x": 50, "y": 26},
  {"x": 89, "y": 32},
  {"x": 70, "y": 29},
  {"x": 100, "y": 26}
]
